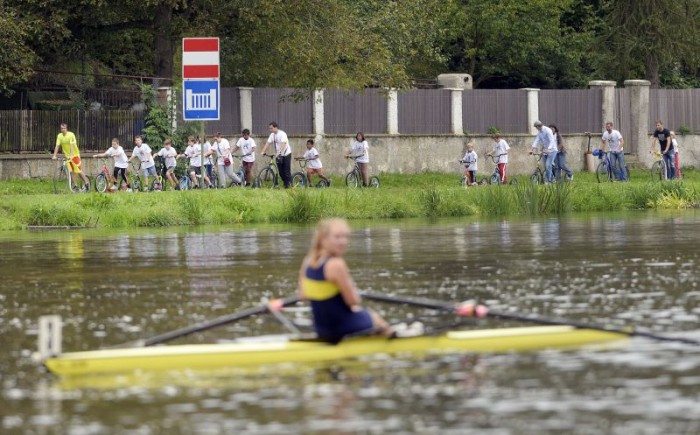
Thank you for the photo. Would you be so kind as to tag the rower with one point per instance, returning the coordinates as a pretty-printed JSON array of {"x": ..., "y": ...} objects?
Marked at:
[{"x": 325, "y": 281}]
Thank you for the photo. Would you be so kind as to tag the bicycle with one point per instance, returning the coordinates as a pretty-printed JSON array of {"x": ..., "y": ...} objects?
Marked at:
[
  {"x": 157, "y": 182},
  {"x": 537, "y": 176},
  {"x": 464, "y": 181},
  {"x": 104, "y": 179},
  {"x": 352, "y": 179},
  {"x": 269, "y": 175},
  {"x": 604, "y": 171},
  {"x": 62, "y": 180},
  {"x": 135, "y": 181},
  {"x": 658, "y": 168},
  {"x": 495, "y": 177},
  {"x": 299, "y": 178}
]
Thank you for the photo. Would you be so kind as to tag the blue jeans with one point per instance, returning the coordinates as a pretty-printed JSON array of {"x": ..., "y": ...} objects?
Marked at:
[
  {"x": 560, "y": 163},
  {"x": 670, "y": 160},
  {"x": 548, "y": 175},
  {"x": 615, "y": 160}
]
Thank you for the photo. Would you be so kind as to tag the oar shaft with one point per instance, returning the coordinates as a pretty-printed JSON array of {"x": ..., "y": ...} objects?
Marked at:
[
  {"x": 219, "y": 321},
  {"x": 442, "y": 306}
]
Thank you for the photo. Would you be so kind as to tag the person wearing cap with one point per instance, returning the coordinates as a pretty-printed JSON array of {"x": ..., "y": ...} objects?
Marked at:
[{"x": 549, "y": 148}]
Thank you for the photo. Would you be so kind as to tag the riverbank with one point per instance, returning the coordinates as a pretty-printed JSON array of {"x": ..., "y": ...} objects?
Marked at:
[{"x": 30, "y": 202}]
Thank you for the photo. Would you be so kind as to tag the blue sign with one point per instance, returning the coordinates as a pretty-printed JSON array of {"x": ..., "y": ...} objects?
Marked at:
[{"x": 200, "y": 100}]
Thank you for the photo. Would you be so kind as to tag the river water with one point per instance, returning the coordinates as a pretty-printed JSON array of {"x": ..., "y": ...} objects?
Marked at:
[{"x": 111, "y": 287}]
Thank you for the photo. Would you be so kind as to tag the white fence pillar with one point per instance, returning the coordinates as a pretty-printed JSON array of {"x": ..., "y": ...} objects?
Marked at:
[
  {"x": 319, "y": 122},
  {"x": 245, "y": 101},
  {"x": 639, "y": 119},
  {"x": 607, "y": 87},
  {"x": 533, "y": 108},
  {"x": 456, "y": 111},
  {"x": 392, "y": 112}
]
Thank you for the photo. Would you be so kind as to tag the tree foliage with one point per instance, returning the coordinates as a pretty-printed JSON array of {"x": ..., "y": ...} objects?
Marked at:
[{"x": 358, "y": 43}]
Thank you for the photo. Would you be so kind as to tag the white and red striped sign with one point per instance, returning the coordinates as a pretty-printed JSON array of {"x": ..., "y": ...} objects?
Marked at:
[{"x": 200, "y": 58}]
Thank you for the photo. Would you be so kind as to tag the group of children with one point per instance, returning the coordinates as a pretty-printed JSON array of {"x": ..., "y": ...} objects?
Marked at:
[
  {"x": 203, "y": 155},
  {"x": 499, "y": 153}
]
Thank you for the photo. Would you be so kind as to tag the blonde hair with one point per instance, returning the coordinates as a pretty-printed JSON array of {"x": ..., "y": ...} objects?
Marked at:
[{"x": 322, "y": 230}]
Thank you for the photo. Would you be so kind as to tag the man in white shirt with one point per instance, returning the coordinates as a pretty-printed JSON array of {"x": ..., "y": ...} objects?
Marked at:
[
  {"x": 549, "y": 148},
  {"x": 143, "y": 152},
  {"x": 247, "y": 146},
  {"x": 283, "y": 153},
  {"x": 615, "y": 144}
]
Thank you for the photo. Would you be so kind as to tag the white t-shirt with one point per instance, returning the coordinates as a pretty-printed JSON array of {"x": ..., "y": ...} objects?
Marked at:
[
  {"x": 613, "y": 139},
  {"x": 222, "y": 148},
  {"x": 674, "y": 143},
  {"x": 501, "y": 148},
  {"x": 205, "y": 149},
  {"x": 247, "y": 146},
  {"x": 120, "y": 159},
  {"x": 194, "y": 152},
  {"x": 169, "y": 156},
  {"x": 143, "y": 153},
  {"x": 312, "y": 154},
  {"x": 359, "y": 148},
  {"x": 470, "y": 159},
  {"x": 278, "y": 139}
]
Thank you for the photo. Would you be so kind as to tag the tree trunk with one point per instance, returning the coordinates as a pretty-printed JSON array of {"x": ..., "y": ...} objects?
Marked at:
[
  {"x": 652, "y": 67},
  {"x": 164, "y": 42}
]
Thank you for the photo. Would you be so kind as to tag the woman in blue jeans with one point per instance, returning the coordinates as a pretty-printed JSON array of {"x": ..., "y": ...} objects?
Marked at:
[{"x": 560, "y": 159}]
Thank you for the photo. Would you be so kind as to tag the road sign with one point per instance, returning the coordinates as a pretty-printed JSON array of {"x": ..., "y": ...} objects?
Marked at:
[
  {"x": 200, "y": 79},
  {"x": 200, "y": 99},
  {"x": 200, "y": 58}
]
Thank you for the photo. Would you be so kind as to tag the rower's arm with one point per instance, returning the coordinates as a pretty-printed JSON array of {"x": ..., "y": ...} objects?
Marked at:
[
  {"x": 338, "y": 273},
  {"x": 300, "y": 282}
]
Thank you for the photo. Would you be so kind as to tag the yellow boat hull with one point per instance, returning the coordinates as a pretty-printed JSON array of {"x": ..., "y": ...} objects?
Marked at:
[{"x": 215, "y": 356}]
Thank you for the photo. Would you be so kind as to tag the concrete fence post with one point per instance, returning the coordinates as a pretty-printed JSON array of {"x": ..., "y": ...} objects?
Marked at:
[
  {"x": 245, "y": 101},
  {"x": 608, "y": 112},
  {"x": 319, "y": 122},
  {"x": 456, "y": 126},
  {"x": 533, "y": 108},
  {"x": 392, "y": 112},
  {"x": 639, "y": 122}
]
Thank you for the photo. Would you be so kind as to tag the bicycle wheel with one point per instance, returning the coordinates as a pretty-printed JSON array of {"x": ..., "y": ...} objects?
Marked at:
[
  {"x": 298, "y": 180},
  {"x": 101, "y": 183},
  {"x": 352, "y": 179},
  {"x": 513, "y": 182},
  {"x": 536, "y": 178},
  {"x": 136, "y": 184},
  {"x": 267, "y": 179},
  {"x": 374, "y": 182},
  {"x": 658, "y": 171},
  {"x": 322, "y": 184},
  {"x": 495, "y": 179},
  {"x": 464, "y": 181},
  {"x": 60, "y": 180},
  {"x": 483, "y": 181},
  {"x": 156, "y": 185},
  {"x": 184, "y": 182},
  {"x": 602, "y": 172},
  {"x": 627, "y": 173}
]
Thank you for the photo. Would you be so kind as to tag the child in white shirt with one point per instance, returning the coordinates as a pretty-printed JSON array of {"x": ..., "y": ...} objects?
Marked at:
[
  {"x": 247, "y": 146},
  {"x": 194, "y": 153},
  {"x": 676, "y": 148},
  {"x": 500, "y": 151},
  {"x": 470, "y": 164},
  {"x": 313, "y": 163},
  {"x": 121, "y": 162},
  {"x": 169, "y": 155}
]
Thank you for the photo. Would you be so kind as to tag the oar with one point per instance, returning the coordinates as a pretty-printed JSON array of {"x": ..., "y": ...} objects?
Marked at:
[
  {"x": 470, "y": 310},
  {"x": 275, "y": 307},
  {"x": 219, "y": 321}
]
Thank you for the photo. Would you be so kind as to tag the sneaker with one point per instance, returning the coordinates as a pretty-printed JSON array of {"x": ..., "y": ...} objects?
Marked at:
[
  {"x": 571, "y": 177},
  {"x": 129, "y": 189}
]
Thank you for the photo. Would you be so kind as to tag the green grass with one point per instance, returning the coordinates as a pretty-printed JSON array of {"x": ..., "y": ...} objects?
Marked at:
[{"x": 430, "y": 195}]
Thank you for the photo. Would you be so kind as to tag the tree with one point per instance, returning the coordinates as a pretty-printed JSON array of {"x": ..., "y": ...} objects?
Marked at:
[
  {"x": 511, "y": 43},
  {"x": 650, "y": 37},
  {"x": 16, "y": 58}
]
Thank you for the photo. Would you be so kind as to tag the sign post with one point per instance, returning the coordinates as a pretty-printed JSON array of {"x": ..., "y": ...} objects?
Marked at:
[{"x": 201, "y": 90}]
